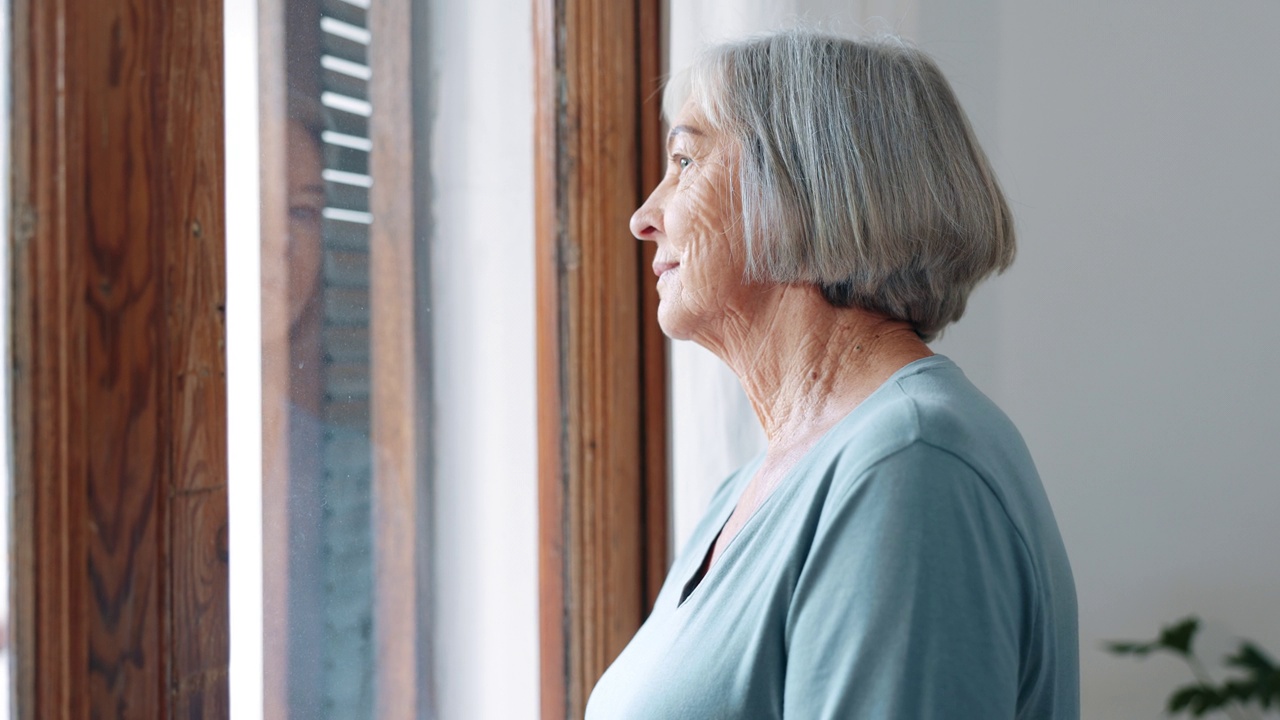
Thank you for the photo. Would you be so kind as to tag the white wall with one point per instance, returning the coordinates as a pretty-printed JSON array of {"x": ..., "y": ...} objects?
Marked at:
[
  {"x": 1137, "y": 337},
  {"x": 482, "y": 297},
  {"x": 1134, "y": 341}
]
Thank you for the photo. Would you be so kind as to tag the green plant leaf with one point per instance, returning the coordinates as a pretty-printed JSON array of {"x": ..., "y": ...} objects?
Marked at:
[
  {"x": 1250, "y": 657},
  {"x": 1238, "y": 690},
  {"x": 1259, "y": 686},
  {"x": 1179, "y": 636},
  {"x": 1130, "y": 648},
  {"x": 1198, "y": 699},
  {"x": 1268, "y": 688}
]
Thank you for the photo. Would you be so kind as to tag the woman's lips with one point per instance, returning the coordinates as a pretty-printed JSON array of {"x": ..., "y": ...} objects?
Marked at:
[{"x": 661, "y": 267}]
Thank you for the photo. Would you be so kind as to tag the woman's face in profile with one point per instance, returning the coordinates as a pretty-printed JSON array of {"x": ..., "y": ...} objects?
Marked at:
[
  {"x": 694, "y": 217},
  {"x": 306, "y": 202}
]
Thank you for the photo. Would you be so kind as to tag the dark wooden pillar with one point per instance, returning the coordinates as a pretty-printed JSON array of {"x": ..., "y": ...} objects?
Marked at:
[
  {"x": 601, "y": 359},
  {"x": 118, "y": 372}
]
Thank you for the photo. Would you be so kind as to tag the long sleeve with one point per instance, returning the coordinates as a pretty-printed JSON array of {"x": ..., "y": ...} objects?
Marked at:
[{"x": 914, "y": 598}]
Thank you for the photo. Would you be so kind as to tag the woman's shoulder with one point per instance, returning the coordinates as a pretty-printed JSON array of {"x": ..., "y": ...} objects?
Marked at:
[
  {"x": 931, "y": 403},
  {"x": 929, "y": 425},
  {"x": 927, "y": 476},
  {"x": 932, "y": 439}
]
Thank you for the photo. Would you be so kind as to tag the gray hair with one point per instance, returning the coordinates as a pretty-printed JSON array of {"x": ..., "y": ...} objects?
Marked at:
[{"x": 858, "y": 172}]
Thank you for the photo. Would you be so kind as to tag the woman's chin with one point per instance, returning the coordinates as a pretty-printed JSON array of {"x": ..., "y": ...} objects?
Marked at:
[{"x": 674, "y": 324}]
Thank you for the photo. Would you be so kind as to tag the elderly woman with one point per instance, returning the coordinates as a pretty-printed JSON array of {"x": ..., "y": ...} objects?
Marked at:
[{"x": 825, "y": 214}]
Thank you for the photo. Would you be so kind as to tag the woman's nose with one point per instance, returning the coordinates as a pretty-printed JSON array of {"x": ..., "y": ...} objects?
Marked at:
[{"x": 646, "y": 223}]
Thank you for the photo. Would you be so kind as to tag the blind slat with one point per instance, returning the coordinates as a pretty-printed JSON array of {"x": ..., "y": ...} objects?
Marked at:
[
  {"x": 346, "y": 344},
  {"x": 347, "y": 159},
  {"x": 344, "y": 48},
  {"x": 344, "y": 84},
  {"x": 346, "y": 268},
  {"x": 344, "y": 234},
  {"x": 346, "y": 12},
  {"x": 348, "y": 123},
  {"x": 347, "y": 197}
]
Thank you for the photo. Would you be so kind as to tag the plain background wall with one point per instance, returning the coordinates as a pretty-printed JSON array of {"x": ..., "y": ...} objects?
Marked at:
[
  {"x": 1135, "y": 338},
  {"x": 484, "y": 469},
  {"x": 1134, "y": 341}
]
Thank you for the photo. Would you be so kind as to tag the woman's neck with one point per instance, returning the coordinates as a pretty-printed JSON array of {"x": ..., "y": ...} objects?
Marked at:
[{"x": 805, "y": 364}]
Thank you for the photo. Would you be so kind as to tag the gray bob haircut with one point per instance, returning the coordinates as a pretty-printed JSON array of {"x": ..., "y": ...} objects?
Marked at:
[{"x": 858, "y": 172}]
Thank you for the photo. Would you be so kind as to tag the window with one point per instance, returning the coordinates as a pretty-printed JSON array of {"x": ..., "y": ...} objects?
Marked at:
[
  {"x": 343, "y": 440},
  {"x": 124, "y": 545}
]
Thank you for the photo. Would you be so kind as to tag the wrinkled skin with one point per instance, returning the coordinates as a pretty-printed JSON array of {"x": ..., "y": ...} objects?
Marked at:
[
  {"x": 693, "y": 216},
  {"x": 803, "y": 363}
]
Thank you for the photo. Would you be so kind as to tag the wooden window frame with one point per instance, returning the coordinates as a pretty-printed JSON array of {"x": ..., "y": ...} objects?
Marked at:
[
  {"x": 601, "y": 359},
  {"x": 118, "y": 369}
]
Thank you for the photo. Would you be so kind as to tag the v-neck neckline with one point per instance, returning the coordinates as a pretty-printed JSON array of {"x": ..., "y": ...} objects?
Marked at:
[
  {"x": 704, "y": 567},
  {"x": 704, "y": 570}
]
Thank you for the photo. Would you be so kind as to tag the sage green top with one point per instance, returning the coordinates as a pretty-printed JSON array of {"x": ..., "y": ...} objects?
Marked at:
[{"x": 909, "y": 568}]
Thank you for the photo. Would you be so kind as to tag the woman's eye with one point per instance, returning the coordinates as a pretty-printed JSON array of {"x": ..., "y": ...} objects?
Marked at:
[
  {"x": 684, "y": 162},
  {"x": 304, "y": 213}
]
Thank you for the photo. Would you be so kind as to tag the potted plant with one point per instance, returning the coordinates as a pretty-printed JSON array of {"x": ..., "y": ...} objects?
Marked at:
[{"x": 1244, "y": 696}]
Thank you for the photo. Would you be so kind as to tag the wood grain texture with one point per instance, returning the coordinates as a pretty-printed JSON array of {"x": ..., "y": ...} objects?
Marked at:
[
  {"x": 120, "y": 409},
  {"x": 192, "y": 243},
  {"x": 49, "y": 630},
  {"x": 653, "y": 344},
  {"x": 395, "y": 424},
  {"x": 553, "y": 625},
  {"x": 601, "y": 364}
]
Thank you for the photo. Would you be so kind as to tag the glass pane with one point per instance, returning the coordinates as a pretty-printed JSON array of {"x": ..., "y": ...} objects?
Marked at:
[
  {"x": 327, "y": 473},
  {"x": 328, "y": 362}
]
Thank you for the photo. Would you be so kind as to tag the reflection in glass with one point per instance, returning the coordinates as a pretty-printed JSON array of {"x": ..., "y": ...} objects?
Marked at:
[{"x": 329, "y": 625}]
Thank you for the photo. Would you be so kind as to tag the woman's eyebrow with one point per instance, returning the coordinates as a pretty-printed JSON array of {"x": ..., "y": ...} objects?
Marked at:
[{"x": 671, "y": 136}]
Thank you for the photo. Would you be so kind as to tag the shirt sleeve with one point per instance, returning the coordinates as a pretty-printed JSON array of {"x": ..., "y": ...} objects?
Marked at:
[{"x": 913, "y": 598}]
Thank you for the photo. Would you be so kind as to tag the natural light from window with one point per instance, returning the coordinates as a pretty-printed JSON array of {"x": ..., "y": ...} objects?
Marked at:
[{"x": 244, "y": 358}]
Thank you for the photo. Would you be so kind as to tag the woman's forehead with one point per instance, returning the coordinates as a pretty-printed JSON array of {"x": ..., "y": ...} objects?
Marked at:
[{"x": 690, "y": 114}]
